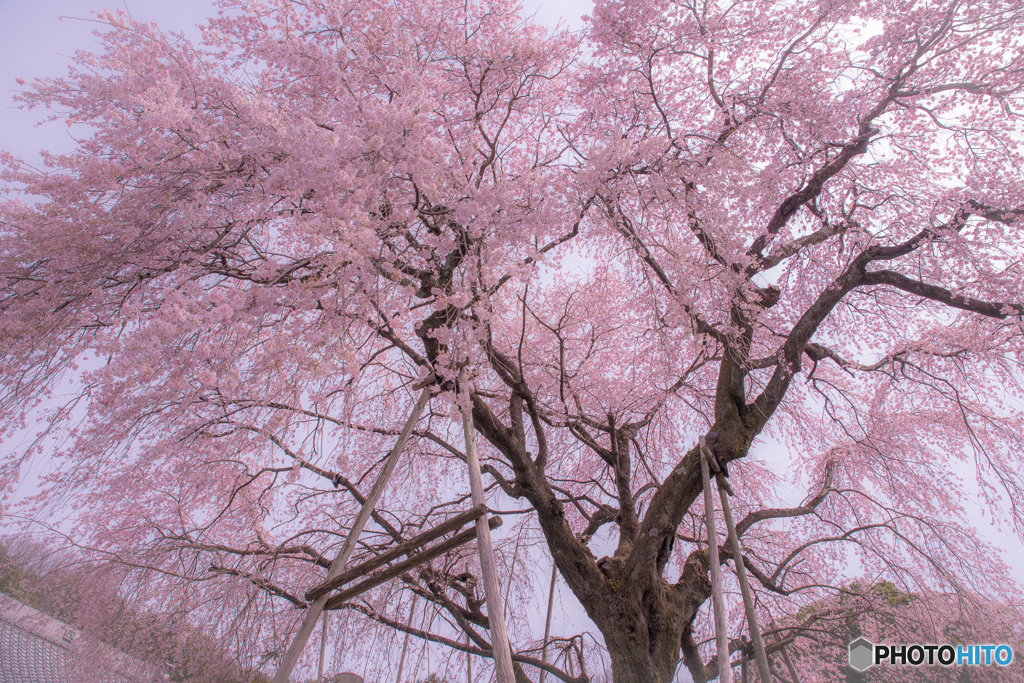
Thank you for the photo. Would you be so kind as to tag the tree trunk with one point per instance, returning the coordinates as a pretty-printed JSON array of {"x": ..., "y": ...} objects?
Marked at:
[
  {"x": 636, "y": 659},
  {"x": 643, "y": 630}
]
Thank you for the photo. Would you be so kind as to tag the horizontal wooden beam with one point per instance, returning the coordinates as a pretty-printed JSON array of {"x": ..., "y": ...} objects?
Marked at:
[
  {"x": 403, "y": 548},
  {"x": 414, "y": 561}
]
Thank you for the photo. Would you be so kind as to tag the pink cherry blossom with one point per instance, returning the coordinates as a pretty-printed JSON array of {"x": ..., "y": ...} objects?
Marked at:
[{"x": 793, "y": 224}]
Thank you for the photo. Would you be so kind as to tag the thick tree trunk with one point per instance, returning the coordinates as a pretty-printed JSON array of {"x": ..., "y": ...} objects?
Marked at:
[
  {"x": 643, "y": 628},
  {"x": 642, "y": 617},
  {"x": 631, "y": 664},
  {"x": 643, "y": 649}
]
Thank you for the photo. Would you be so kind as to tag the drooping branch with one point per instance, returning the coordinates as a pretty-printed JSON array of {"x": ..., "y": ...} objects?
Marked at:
[
  {"x": 805, "y": 509},
  {"x": 260, "y": 582},
  {"x": 463, "y": 647},
  {"x": 942, "y": 295}
]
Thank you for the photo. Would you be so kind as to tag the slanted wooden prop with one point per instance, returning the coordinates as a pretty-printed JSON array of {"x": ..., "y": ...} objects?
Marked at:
[
  {"x": 708, "y": 459},
  {"x": 320, "y": 597},
  {"x": 317, "y": 607}
]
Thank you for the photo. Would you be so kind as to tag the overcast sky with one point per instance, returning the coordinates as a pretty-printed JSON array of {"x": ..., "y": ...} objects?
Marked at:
[{"x": 36, "y": 41}]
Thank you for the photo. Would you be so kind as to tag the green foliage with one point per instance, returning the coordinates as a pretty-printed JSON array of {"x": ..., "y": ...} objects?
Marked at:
[
  {"x": 433, "y": 678},
  {"x": 893, "y": 595},
  {"x": 11, "y": 575},
  {"x": 24, "y": 565}
]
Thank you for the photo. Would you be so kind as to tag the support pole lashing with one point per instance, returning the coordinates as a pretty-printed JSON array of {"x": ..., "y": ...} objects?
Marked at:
[
  {"x": 314, "y": 610},
  {"x": 417, "y": 560},
  {"x": 741, "y": 573},
  {"x": 721, "y": 626},
  {"x": 405, "y": 548},
  {"x": 492, "y": 592}
]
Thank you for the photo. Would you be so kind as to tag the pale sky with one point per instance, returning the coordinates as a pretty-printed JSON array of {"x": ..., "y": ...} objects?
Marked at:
[{"x": 35, "y": 41}]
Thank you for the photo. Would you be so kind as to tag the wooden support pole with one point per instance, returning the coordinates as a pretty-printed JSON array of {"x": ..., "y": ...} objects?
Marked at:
[
  {"x": 790, "y": 666},
  {"x": 405, "y": 643},
  {"x": 748, "y": 601},
  {"x": 314, "y": 610},
  {"x": 721, "y": 627},
  {"x": 705, "y": 449},
  {"x": 335, "y": 601},
  {"x": 547, "y": 621},
  {"x": 404, "y": 548},
  {"x": 323, "y": 650},
  {"x": 500, "y": 646},
  {"x": 785, "y": 655}
]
